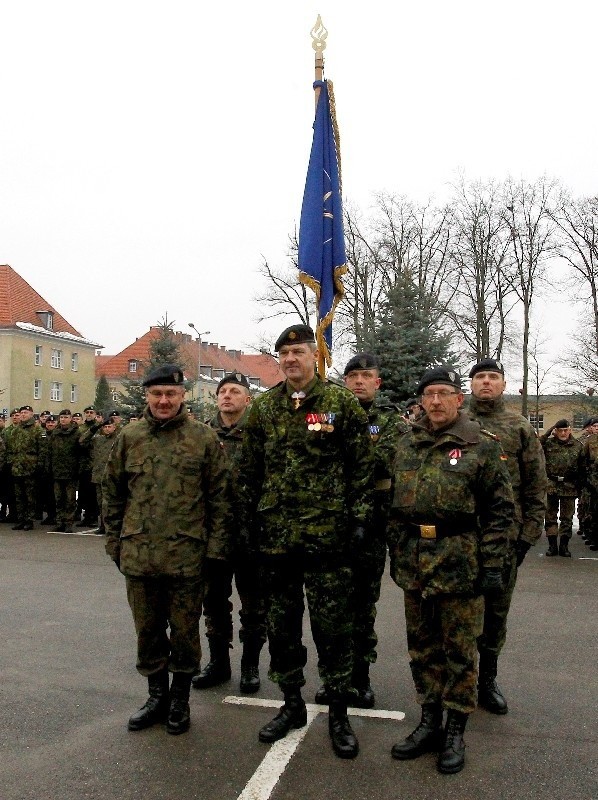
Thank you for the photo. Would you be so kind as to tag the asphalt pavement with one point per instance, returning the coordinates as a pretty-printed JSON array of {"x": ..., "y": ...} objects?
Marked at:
[{"x": 68, "y": 685}]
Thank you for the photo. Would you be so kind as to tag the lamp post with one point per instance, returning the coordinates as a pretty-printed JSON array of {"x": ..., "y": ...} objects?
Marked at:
[{"x": 199, "y": 335}]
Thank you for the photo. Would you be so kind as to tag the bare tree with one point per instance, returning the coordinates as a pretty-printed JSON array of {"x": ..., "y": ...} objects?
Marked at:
[
  {"x": 483, "y": 293},
  {"x": 283, "y": 294},
  {"x": 527, "y": 212}
]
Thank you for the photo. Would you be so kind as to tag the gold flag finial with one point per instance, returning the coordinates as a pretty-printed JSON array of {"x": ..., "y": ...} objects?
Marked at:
[{"x": 319, "y": 35}]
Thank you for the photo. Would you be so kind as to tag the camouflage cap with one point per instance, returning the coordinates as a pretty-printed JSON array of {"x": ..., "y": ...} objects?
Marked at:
[
  {"x": 487, "y": 365},
  {"x": 295, "y": 334},
  {"x": 233, "y": 377},
  {"x": 362, "y": 361},
  {"x": 166, "y": 375},
  {"x": 439, "y": 376}
]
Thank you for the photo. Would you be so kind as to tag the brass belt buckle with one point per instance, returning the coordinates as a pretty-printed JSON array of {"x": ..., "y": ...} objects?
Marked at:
[{"x": 427, "y": 531}]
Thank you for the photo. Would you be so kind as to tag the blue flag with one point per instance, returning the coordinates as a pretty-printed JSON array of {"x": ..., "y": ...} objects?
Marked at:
[{"x": 321, "y": 236}]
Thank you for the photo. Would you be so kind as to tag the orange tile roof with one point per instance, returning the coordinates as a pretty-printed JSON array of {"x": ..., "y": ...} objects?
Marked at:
[
  {"x": 19, "y": 303},
  {"x": 261, "y": 365}
]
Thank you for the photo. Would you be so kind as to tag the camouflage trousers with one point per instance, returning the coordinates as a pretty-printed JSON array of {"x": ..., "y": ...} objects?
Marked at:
[
  {"x": 87, "y": 502},
  {"x": 25, "y": 498},
  {"x": 583, "y": 510},
  {"x": 566, "y": 506},
  {"x": 159, "y": 604},
  {"x": 328, "y": 589},
  {"x": 368, "y": 568},
  {"x": 65, "y": 496},
  {"x": 441, "y": 638},
  {"x": 496, "y": 609},
  {"x": 217, "y": 606}
]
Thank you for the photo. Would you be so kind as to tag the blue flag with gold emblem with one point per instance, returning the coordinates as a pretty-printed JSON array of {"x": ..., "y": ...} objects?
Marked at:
[{"x": 322, "y": 258}]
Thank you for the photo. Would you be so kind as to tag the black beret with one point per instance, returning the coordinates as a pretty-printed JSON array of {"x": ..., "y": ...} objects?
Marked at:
[
  {"x": 51, "y": 418},
  {"x": 114, "y": 413},
  {"x": 562, "y": 423},
  {"x": 487, "y": 365},
  {"x": 77, "y": 414},
  {"x": 233, "y": 377},
  {"x": 439, "y": 375},
  {"x": 107, "y": 421},
  {"x": 590, "y": 421},
  {"x": 296, "y": 334},
  {"x": 167, "y": 375},
  {"x": 413, "y": 401},
  {"x": 25, "y": 408},
  {"x": 362, "y": 361},
  {"x": 89, "y": 408},
  {"x": 66, "y": 412},
  {"x": 15, "y": 411},
  {"x": 2, "y": 416},
  {"x": 45, "y": 412}
]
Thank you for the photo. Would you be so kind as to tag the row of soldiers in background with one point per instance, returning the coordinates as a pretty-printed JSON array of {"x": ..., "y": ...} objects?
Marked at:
[
  {"x": 572, "y": 468},
  {"x": 53, "y": 466},
  {"x": 317, "y": 471}
]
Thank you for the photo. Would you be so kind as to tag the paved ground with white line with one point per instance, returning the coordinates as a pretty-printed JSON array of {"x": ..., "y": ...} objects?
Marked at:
[{"x": 68, "y": 685}]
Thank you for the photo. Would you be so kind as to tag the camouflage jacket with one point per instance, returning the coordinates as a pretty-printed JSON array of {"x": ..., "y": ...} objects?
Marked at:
[
  {"x": 525, "y": 462},
  {"x": 165, "y": 497},
  {"x": 306, "y": 474},
  {"x": 2, "y": 452},
  {"x": 62, "y": 458},
  {"x": 563, "y": 465},
  {"x": 24, "y": 449},
  {"x": 386, "y": 426},
  {"x": 457, "y": 481},
  {"x": 101, "y": 447},
  {"x": 231, "y": 438},
  {"x": 87, "y": 430},
  {"x": 589, "y": 463}
]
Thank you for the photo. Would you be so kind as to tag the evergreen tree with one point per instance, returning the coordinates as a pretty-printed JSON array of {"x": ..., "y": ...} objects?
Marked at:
[
  {"x": 164, "y": 349},
  {"x": 408, "y": 339},
  {"x": 103, "y": 397}
]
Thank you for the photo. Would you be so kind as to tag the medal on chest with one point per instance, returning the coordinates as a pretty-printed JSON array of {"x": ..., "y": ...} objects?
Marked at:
[
  {"x": 320, "y": 422},
  {"x": 454, "y": 457}
]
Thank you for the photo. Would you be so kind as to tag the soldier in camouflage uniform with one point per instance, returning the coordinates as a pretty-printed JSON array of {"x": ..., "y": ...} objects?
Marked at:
[
  {"x": 102, "y": 442},
  {"x": 525, "y": 462},
  {"x": 63, "y": 469},
  {"x": 233, "y": 398},
  {"x": 386, "y": 425},
  {"x": 8, "y": 485},
  {"x": 590, "y": 427},
  {"x": 86, "y": 491},
  {"x": 24, "y": 457},
  {"x": 562, "y": 453},
  {"x": 451, "y": 510},
  {"x": 46, "y": 500},
  {"x": 166, "y": 510},
  {"x": 4, "y": 470},
  {"x": 589, "y": 479},
  {"x": 307, "y": 473}
]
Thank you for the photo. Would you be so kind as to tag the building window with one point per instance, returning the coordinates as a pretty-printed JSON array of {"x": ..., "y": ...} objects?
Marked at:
[
  {"x": 74, "y": 393},
  {"x": 56, "y": 360},
  {"x": 217, "y": 374},
  {"x": 578, "y": 420},
  {"x": 255, "y": 380},
  {"x": 132, "y": 365},
  {"x": 47, "y": 318},
  {"x": 74, "y": 361},
  {"x": 38, "y": 355},
  {"x": 37, "y": 389},
  {"x": 537, "y": 421},
  {"x": 56, "y": 391}
]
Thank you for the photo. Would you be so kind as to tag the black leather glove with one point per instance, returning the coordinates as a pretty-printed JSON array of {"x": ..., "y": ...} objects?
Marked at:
[
  {"x": 491, "y": 581},
  {"x": 521, "y": 549},
  {"x": 358, "y": 536}
]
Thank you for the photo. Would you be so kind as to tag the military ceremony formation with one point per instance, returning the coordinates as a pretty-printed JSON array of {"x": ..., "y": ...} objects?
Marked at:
[{"x": 302, "y": 495}]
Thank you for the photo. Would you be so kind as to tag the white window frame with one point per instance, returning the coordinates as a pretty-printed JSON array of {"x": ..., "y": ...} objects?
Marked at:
[
  {"x": 38, "y": 358},
  {"x": 74, "y": 393},
  {"x": 536, "y": 422},
  {"x": 56, "y": 391},
  {"x": 75, "y": 362},
  {"x": 132, "y": 365},
  {"x": 56, "y": 360},
  {"x": 37, "y": 389}
]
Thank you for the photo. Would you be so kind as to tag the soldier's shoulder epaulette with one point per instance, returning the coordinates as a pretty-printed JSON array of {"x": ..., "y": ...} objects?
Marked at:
[{"x": 490, "y": 435}]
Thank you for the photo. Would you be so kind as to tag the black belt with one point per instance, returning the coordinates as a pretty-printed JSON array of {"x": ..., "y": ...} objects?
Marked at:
[{"x": 439, "y": 530}]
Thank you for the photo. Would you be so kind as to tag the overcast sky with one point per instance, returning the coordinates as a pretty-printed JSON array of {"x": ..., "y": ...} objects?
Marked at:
[{"x": 152, "y": 153}]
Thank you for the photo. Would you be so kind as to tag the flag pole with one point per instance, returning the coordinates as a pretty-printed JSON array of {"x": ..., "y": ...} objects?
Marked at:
[{"x": 319, "y": 34}]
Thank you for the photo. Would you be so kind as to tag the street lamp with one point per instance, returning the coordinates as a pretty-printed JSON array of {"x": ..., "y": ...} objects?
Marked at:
[{"x": 199, "y": 335}]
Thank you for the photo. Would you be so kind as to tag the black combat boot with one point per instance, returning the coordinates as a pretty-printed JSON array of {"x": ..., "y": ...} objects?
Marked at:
[
  {"x": 179, "y": 717},
  {"x": 363, "y": 695},
  {"x": 553, "y": 549},
  {"x": 156, "y": 706},
  {"x": 321, "y": 696},
  {"x": 292, "y": 714},
  {"x": 250, "y": 667},
  {"x": 18, "y": 526},
  {"x": 564, "y": 547},
  {"x": 452, "y": 755},
  {"x": 217, "y": 670},
  {"x": 344, "y": 741},
  {"x": 490, "y": 696},
  {"x": 28, "y": 526},
  {"x": 426, "y": 738}
]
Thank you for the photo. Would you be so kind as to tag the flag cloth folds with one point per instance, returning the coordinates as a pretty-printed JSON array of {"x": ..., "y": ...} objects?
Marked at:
[{"x": 322, "y": 258}]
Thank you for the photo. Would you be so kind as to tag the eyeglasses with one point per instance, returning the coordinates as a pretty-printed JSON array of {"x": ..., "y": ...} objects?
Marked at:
[{"x": 440, "y": 395}]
